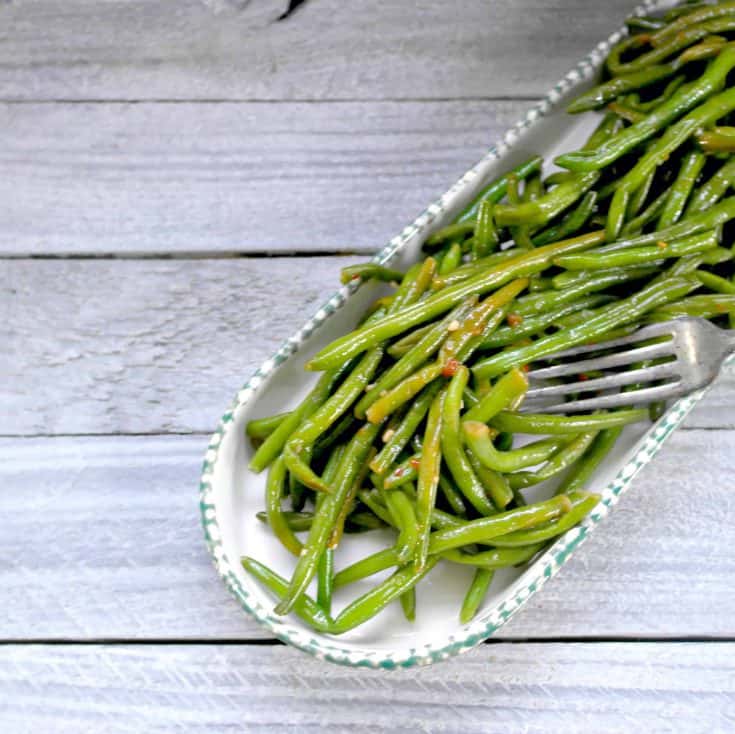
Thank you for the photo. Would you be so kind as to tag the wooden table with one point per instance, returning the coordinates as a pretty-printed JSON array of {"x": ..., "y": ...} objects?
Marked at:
[{"x": 181, "y": 183}]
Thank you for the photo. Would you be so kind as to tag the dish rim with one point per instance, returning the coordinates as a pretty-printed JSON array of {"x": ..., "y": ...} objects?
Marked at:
[{"x": 549, "y": 563}]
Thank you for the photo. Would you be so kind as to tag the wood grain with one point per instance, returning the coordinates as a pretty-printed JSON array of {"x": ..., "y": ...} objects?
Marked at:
[
  {"x": 234, "y": 49},
  {"x": 157, "y": 346},
  {"x": 534, "y": 688},
  {"x": 102, "y": 541},
  {"x": 199, "y": 178}
]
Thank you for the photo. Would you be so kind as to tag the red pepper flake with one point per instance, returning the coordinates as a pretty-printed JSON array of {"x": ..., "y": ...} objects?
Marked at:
[
  {"x": 399, "y": 473},
  {"x": 450, "y": 368},
  {"x": 721, "y": 307},
  {"x": 583, "y": 377},
  {"x": 662, "y": 245},
  {"x": 525, "y": 368},
  {"x": 414, "y": 462},
  {"x": 514, "y": 319}
]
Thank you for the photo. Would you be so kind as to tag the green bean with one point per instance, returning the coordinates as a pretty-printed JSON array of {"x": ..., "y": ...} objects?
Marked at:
[
  {"x": 372, "y": 602},
  {"x": 496, "y": 190},
  {"x": 561, "y": 460},
  {"x": 680, "y": 191},
  {"x": 353, "y": 459},
  {"x": 296, "y": 521},
  {"x": 623, "y": 111},
  {"x": 484, "y": 529},
  {"x": 263, "y": 427},
  {"x": 453, "y": 497},
  {"x": 403, "y": 432},
  {"x": 486, "y": 235},
  {"x": 706, "y": 306},
  {"x": 452, "y": 449},
  {"x": 520, "y": 234},
  {"x": 612, "y": 89},
  {"x": 702, "y": 13},
  {"x": 719, "y": 139},
  {"x": 325, "y": 580},
  {"x": 546, "y": 207},
  {"x": 368, "y": 566},
  {"x": 686, "y": 98},
  {"x": 572, "y": 222},
  {"x": 603, "y": 258},
  {"x": 304, "y": 607},
  {"x": 478, "y": 438},
  {"x": 403, "y": 392},
  {"x": 495, "y": 558},
  {"x": 277, "y": 521},
  {"x": 618, "y": 314},
  {"x": 452, "y": 260},
  {"x": 325, "y": 416},
  {"x": 370, "y": 271},
  {"x": 507, "y": 392},
  {"x": 715, "y": 282},
  {"x": 370, "y": 500},
  {"x": 408, "y": 604},
  {"x": 401, "y": 509},
  {"x": 595, "y": 281},
  {"x": 575, "y": 278},
  {"x": 711, "y": 110},
  {"x": 585, "y": 467},
  {"x": 457, "y": 231},
  {"x": 475, "y": 267},
  {"x": 360, "y": 522},
  {"x": 643, "y": 23},
  {"x": 564, "y": 425},
  {"x": 428, "y": 477},
  {"x": 495, "y": 484},
  {"x": 406, "y": 471},
  {"x": 526, "y": 263},
  {"x": 650, "y": 213},
  {"x": 713, "y": 190},
  {"x": 476, "y": 594},
  {"x": 664, "y": 50},
  {"x": 693, "y": 224},
  {"x": 348, "y": 503},
  {"x": 405, "y": 368},
  {"x": 272, "y": 446},
  {"x": 694, "y": 53},
  {"x": 582, "y": 504}
]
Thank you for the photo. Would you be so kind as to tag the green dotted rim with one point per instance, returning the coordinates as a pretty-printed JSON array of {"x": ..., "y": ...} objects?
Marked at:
[{"x": 516, "y": 595}]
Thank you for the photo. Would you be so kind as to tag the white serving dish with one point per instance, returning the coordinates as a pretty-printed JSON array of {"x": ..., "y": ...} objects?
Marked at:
[{"x": 231, "y": 494}]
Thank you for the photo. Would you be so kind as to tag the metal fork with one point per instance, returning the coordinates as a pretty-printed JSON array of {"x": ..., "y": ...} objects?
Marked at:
[{"x": 688, "y": 353}]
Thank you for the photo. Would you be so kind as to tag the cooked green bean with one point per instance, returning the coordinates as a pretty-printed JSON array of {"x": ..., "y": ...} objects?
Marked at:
[
  {"x": 564, "y": 425},
  {"x": 273, "y": 494},
  {"x": 263, "y": 427},
  {"x": 524, "y": 264},
  {"x": 296, "y": 521},
  {"x": 586, "y": 466},
  {"x": 476, "y": 593},
  {"x": 452, "y": 449},
  {"x": 622, "y": 312},
  {"x": 713, "y": 190},
  {"x": 321, "y": 528},
  {"x": 495, "y": 558},
  {"x": 428, "y": 477},
  {"x": 507, "y": 392},
  {"x": 304, "y": 607},
  {"x": 325, "y": 580},
  {"x": 401, "y": 510},
  {"x": 582, "y": 504},
  {"x": 370, "y": 271},
  {"x": 681, "y": 189}
]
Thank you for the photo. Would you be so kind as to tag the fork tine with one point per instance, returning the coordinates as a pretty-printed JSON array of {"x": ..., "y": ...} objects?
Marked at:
[
  {"x": 647, "y": 332},
  {"x": 618, "y": 359},
  {"x": 647, "y": 374},
  {"x": 620, "y": 399}
]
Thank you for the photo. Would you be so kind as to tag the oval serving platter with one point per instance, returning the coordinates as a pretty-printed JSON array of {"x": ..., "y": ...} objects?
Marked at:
[{"x": 230, "y": 494}]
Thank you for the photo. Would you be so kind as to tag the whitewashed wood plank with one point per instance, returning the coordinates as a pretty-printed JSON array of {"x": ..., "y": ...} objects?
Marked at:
[
  {"x": 534, "y": 688},
  {"x": 234, "y": 49},
  {"x": 101, "y": 540},
  {"x": 183, "y": 178},
  {"x": 156, "y": 346},
  {"x": 120, "y": 346}
]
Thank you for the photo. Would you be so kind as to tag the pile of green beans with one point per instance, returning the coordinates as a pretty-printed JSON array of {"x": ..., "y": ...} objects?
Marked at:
[{"x": 413, "y": 428}]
